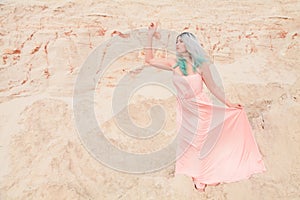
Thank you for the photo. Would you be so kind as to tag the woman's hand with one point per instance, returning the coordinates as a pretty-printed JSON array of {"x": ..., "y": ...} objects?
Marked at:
[
  {"x": 234, "y": 105},
  {"x": 152, "y": 30}
]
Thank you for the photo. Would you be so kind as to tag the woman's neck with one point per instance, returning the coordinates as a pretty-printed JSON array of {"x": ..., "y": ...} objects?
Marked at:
[{"x": 187, "y": 57}]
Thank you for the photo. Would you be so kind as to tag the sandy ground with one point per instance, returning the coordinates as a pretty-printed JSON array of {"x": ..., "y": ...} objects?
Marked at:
[{"x": 43, "y": 45}]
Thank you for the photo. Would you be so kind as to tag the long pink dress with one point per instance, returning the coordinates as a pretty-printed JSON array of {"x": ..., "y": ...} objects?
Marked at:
[{"x": 216, "y": 143}]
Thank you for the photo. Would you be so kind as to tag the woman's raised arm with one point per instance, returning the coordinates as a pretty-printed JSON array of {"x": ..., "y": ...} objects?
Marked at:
[{"x": 162, "y": 63}]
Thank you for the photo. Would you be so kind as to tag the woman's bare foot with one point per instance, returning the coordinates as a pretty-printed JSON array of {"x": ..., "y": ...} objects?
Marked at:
[{"x": 200, "y": 187}]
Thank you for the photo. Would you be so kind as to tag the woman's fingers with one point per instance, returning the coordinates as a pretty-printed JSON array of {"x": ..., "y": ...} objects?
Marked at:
[
  {"x": 235, "y": 105},
  {"x": 238, "y": 106},
  {"x": 152, "y": 30},
  {"x": 153, "y": 25}
]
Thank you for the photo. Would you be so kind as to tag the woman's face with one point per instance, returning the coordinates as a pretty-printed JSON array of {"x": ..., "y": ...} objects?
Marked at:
[{"x": 180, "y": 46}]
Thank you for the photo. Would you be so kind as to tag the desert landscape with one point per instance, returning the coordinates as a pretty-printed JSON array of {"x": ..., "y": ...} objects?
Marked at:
[{"x": 44, "y": 47}]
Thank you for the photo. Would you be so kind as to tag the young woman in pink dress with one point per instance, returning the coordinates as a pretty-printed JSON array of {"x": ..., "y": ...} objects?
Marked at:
[{"x": 216, "y": 143}]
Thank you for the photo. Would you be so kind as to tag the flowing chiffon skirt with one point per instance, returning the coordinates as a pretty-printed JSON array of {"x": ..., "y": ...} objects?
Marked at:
[{"x": 215, "y": 143}]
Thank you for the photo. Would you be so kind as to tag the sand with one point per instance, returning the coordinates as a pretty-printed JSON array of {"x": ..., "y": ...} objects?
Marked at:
[{"x": 44, "y": 44}]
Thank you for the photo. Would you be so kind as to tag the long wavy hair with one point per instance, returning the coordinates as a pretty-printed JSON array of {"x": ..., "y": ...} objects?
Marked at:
[{"x": 194, "y": 49}]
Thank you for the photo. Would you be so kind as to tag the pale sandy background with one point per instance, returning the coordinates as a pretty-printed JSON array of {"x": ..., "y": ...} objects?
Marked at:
[{"x": 43, "y": 44}]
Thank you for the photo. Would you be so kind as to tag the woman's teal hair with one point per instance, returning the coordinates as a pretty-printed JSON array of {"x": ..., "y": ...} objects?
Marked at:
[{"x": 195, "y": 50}]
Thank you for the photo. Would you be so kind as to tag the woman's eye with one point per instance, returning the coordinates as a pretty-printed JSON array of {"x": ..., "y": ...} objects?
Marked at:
[{"x": 178, "y": 41}]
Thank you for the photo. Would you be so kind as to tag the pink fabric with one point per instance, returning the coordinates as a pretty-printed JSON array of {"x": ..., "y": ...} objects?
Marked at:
[{"x": 216, "y": 143}]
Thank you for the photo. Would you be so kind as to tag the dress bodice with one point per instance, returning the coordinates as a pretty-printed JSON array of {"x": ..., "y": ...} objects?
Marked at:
[{"x": 187, "y": 86}]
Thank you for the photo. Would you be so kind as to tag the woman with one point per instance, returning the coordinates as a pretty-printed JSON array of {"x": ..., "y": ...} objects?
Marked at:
[{"x": 211, "y": 150}]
